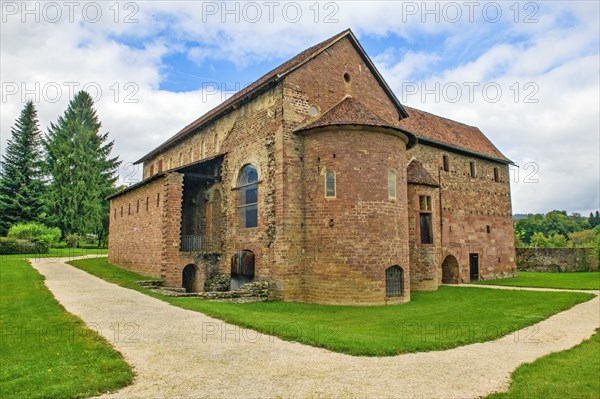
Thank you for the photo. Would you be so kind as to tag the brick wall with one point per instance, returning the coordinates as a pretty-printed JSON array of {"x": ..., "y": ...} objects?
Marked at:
[
  {"x": 476, "y": 211},
  {"x": 353, "y": 238},
  {"x": 135, "y": 241},
  {"x": 425, "y": 262}
]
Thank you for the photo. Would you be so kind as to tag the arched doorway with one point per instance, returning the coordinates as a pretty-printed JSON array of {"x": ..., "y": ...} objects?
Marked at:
[
  {"x": 450, "y": 270},
  {"x": 188, "y": 278},
  {"x": 242, "y": 269}
]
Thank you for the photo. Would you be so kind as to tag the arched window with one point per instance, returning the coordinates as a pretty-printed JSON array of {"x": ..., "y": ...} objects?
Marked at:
[
  {"x": 330, "y": 184},
  {"x": 202, "y": 150},
  {"x": 392, "y": 185},
  {"x": 180, "y": 159},
  {"x": 394, "y": 281},
  {"x": 248, "y": 197}
]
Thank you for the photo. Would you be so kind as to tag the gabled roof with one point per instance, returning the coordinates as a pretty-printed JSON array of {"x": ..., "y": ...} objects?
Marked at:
[
  {"x": 269, "y": 80},
  {"x": 442, "y": 132},
  {"x": 416, "y": 174}
]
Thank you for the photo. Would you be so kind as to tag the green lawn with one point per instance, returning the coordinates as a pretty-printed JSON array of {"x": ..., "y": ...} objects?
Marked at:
[
  {"x": 572, "y": 280},
  {"x": 56, "y": 253},
  {"x": 574, "y": 373},
  {"x": 45, "y": 351},
  {"x": 446, "y": 318}
]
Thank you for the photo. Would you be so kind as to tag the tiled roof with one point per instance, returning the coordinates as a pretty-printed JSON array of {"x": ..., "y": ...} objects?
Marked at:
[
  {"x": 436, "y": 129},
  {"x": 416, "y": 174},
  {"x": 266, "y": 81},
  {"x": 349, "y": 111},
  {"x": 238, "y": 97}
]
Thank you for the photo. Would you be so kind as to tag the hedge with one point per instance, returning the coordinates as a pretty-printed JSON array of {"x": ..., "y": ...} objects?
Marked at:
[{"x": 9, "y": 246}]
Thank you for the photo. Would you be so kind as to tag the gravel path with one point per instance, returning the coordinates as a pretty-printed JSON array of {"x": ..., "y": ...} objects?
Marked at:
[{"x": 181, "y": 353}]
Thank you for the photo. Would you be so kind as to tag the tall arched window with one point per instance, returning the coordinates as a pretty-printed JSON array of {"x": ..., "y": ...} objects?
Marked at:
[
  {"x": 394, "y": 281},
  {"x": 248, "y": 197},
  {"x": 330, "y": 184},
  {"x": 392, "y": 185}
]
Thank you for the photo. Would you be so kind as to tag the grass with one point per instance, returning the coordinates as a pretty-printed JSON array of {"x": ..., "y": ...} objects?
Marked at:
[
  {"x": 573, "y": 373},
  {"x": 446, "y": 318},
  {"x": 56, "y": 253},
  {"x": 570, "y": 280},
  {"x": 46, "y": 352}
]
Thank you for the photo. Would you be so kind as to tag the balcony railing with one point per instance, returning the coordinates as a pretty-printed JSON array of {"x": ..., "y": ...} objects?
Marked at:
[{"x": 200, "y": 244}]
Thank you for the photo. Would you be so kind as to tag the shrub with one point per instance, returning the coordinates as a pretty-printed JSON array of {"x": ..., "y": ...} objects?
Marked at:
[
  {"x": 72, "y": 240},
  {"x": 9, "y": 246},
  {"x": 35, "y": 232}
]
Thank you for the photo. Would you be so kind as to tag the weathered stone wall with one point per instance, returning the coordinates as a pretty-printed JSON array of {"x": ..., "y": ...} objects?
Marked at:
[
  {"x": 319, "y": 83},
  {"x": 136, "y": 237},
  {"x": 425, "y": 262},
  {"x": 556, "y": 259},
  {"x": 352, "y": 238},
  {"x": 476, "y": 211}
]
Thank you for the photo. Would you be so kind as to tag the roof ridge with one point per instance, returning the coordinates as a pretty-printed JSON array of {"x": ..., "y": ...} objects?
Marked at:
[
  {"x": 440, "y": 117},
  {"x": 272, "y": 75}
]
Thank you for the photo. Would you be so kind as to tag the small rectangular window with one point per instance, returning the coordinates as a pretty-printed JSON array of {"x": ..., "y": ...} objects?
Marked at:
[
  {"x": 472, "y": 169},
  {"x": 121, "y": 211},
  {"x": 115, "y": 213},
  {"x": 330, "y": 184},
  {"x": 496, "y": 175},
  {"x": 445, "y": 163},
  {"x": 425, "y": 227},
  {"x": 391, "y": 185},
  {"x": 129, "y": 209},
  {"x": 425, "y": 224},
  {"x": 157, "y": 200},
  {"x": 425, "y": 203},
  {"x": 137, "y": 207},
  {"x": 488, "y": 229},
  {"x": 147, "y": 200}
]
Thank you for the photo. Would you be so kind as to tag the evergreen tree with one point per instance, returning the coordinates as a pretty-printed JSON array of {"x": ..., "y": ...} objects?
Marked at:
[
  {"x": 82, "y": 172},
  {"x": 21, "y": 184}
]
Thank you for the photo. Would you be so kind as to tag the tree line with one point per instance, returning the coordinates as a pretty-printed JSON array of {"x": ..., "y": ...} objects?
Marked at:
[
  {"x": 61, "y": 178},
  {"x": 556, "y": 229}
]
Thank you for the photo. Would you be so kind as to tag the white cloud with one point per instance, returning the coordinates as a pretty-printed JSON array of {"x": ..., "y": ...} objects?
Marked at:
[{"x": 560, "y": 132}]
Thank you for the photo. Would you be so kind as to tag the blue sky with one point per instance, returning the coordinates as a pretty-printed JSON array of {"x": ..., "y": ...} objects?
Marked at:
[{"x": 159, "y": 65}]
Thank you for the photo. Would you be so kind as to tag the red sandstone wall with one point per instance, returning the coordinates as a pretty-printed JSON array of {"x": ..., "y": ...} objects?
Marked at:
[
  {"x": 351, "y": 239},
  {"x": 469, "y": 205},
  {"x": 321, "y": 83},
  {"x": 136, "y": 236},
  {"x": 425, "y": 259}
]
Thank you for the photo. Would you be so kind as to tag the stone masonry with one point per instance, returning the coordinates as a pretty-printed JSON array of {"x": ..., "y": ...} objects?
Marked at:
[{"x": 326, "y": 112}]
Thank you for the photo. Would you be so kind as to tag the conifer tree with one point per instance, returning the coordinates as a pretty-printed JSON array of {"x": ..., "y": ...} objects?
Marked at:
[
  {"x": 21, "y": 184},
  {"x": 81, "y": 169}
]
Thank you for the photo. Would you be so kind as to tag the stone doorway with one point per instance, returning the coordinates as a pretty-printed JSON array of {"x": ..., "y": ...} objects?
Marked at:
[
  {"x": 450, "y": 270},
  {"x": 188, "y": 278},
  {"x": 242, "y": 269}
]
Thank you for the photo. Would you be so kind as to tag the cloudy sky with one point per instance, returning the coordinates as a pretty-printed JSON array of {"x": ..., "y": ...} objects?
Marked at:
[{"x": 526, "y": 73}]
